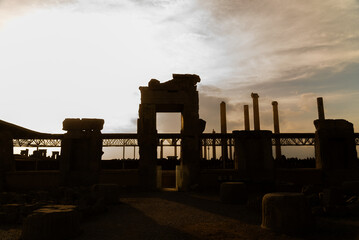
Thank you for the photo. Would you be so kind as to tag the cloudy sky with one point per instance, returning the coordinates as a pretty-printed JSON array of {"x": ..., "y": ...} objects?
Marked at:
[{"x": 87, "y": 58}]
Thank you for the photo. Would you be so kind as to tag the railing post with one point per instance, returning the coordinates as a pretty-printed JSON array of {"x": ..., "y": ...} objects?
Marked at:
[{"x": 214, "y": 146}]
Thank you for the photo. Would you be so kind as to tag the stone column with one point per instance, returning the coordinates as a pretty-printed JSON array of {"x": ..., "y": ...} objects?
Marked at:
[
  {"x": 223, "y": 117},
  {"x": 278, "y": 151},
  {"x": 334, "y": 144},
  {"x": 253, "y": 155},
  {"x": 147, "y": 141},
  {"x": 255, "y": 97},
  {"x": 246, "y": 118},
  {"x": 224, "y": 131},
  {"x": 81, "y": 151},
  {"x": 190, "y": 147},
  {"x": 320, "y": 108},
  {"x": 335, "y": 149}
]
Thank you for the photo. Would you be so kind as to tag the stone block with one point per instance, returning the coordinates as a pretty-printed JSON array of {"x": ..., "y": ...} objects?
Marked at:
[
  {"x": 52, "y": 222},
  {"x": 82, "y": 124},
  {"x": 286, "y": 213},
  {"x": 234, "y": 192}
]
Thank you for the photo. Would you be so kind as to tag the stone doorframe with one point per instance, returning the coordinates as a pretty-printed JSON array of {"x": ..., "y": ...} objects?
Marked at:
[{"x": 177, "y": 95}]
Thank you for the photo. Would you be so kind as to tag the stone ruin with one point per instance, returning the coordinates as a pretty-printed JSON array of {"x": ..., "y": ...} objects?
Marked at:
[
  {"x": 254, "y": 177},
  {"x": 177, "y": 95}
]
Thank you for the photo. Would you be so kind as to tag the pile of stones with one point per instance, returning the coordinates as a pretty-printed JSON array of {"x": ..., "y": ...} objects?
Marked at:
[{"x": 57, "y": 213}]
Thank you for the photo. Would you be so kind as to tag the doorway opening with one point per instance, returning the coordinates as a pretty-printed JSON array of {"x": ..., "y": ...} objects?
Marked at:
[{"x": 168, "y": 150}]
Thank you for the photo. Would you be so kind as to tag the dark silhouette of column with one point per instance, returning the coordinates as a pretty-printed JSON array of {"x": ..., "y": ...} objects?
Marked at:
[
  {"x": 278, "y": 151},
  {"x": 224, "y": 131},
  {"x": 320, "y": 108},
  {"x": 246, "y": 118},
  {"x": 255, "y": 97},
  {"x": 253, "y": 155},
  {"x": 223, "y": 118},
  {"x": 335, "y": 150},
  {"x": 81, "y": 151}
]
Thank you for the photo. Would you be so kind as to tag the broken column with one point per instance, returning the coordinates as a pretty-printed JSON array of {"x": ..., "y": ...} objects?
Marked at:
[
  {"x": 253, "y": 155},
  {"x": 320, "y": 108},
  {"x": 278, "y": 152},
  {"x": 246, "y": 118},
  {"x": 81, "y": 151},
  {"x": 255, "y": 97},
  {"x": 335, "y": 149},
  {"x": 224, "y": 131}
]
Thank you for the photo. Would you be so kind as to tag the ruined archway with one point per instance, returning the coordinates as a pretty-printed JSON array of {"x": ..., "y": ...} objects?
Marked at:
[{"x": 177, "y": 95}]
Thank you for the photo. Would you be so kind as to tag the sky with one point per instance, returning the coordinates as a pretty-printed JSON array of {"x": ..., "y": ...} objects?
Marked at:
[{"x": 86, "y": 59}]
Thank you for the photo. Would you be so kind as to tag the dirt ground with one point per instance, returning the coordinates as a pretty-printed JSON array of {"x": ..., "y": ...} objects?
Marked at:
[{"x": 177, "y": 215}]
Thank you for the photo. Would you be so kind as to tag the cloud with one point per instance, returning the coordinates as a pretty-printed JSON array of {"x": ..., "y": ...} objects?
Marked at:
[
  {"x": 91, "y": 56},
  {"x": 267, "y": 39}
]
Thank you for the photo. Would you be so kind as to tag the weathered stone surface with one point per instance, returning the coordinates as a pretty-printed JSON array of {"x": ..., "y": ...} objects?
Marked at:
[
  {"x": 286, "y": 213},
  {"x": 52, "y": 222},
  {"x": 234, "y": 192}
]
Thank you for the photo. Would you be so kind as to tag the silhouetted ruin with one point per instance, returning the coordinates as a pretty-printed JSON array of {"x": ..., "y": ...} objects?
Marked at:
[{"x": 245, "y": 172}]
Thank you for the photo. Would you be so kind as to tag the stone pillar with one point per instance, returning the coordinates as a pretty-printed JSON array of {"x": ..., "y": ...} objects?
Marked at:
[
  {"x": 335, "y": 144},
  {"x": 7, "y": 162},
  {"x": 320, "y": 108},
  {"x": 190, "y": 164},
  {"x": 253, "y": 155},
  {"x": 246, "y": 118},
  {"x": 81, "y": 151},
  {"x": 224, "y": 131},
  {"x": 147, "y": 141},
  {"x": 278, "y": 151},
  {"x": 255, "y": 97}
]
